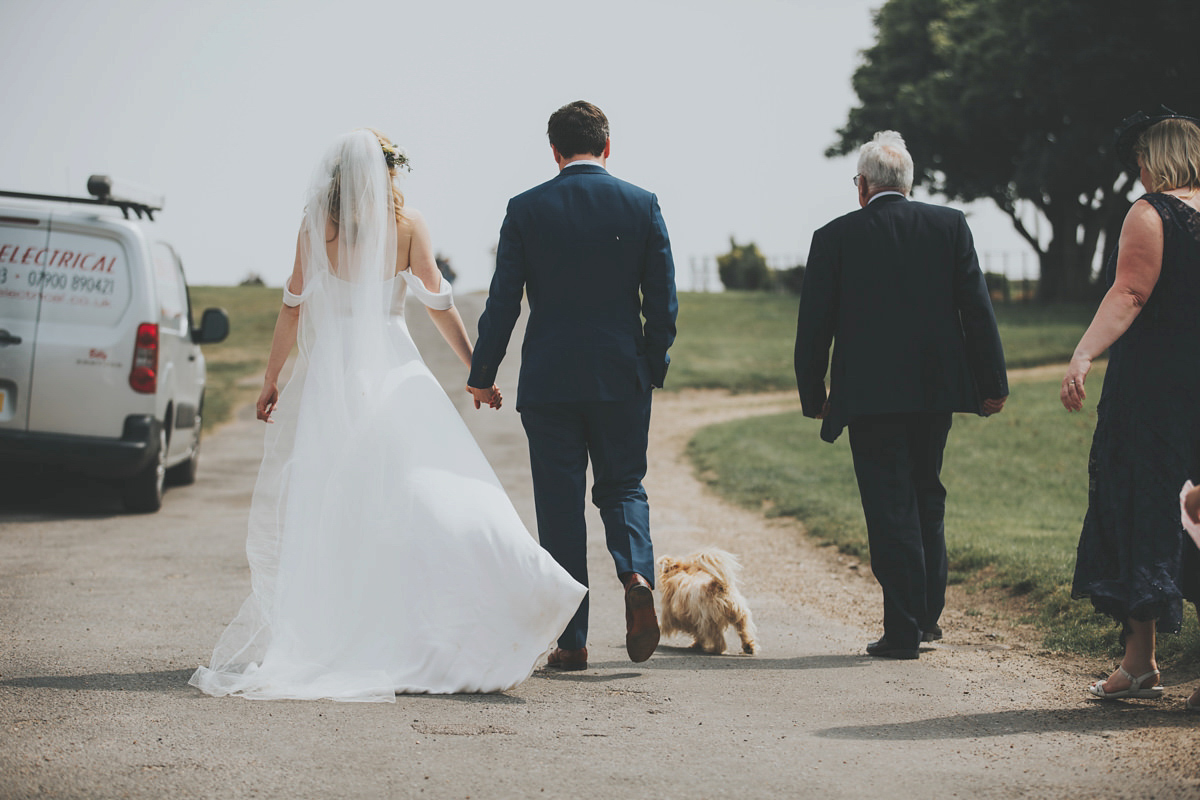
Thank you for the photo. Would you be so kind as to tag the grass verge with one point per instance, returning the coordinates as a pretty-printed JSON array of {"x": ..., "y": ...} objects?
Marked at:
[
  {"x": 1017, "y": 492},
  {"x": 233, "y": 363}
]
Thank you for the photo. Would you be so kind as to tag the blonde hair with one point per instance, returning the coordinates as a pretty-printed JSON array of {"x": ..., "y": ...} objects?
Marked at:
[
  {"x": 1170, "y": 152},
  {"x": 397, "y": 196}
]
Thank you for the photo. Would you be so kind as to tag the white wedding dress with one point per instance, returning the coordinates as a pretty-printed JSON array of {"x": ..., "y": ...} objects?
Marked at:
[{"x": 385, "y": 556}]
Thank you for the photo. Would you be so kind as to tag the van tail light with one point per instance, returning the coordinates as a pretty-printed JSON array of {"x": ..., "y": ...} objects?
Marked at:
[{"x": 144, "y": 375}]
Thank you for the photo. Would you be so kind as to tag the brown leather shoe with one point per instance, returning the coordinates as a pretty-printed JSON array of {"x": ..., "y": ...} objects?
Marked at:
[
  {"x": 641, "y": 623},
  {"x": 567, "y": 660}
]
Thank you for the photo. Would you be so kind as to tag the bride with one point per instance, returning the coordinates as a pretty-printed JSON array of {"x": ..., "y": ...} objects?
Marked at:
[{"x": 384, "y": 555}]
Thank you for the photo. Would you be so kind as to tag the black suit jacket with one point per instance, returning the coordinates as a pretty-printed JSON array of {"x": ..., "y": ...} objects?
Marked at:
[
  {"x": 896, "y": 287},
  {"x": 592, "y": 255}
]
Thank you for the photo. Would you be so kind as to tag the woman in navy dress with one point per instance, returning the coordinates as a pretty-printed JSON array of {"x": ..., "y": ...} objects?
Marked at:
[{"x": 1134, "y": 560}]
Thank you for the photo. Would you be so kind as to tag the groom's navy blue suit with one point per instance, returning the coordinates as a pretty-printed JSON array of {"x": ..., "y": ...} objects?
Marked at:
[{"x": 592, "y": 254}]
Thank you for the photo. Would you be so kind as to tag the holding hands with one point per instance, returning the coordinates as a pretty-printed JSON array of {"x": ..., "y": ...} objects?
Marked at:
[{"x": 489, "y": 397}]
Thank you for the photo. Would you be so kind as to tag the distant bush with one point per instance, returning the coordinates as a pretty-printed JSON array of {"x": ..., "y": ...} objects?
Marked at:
[
  {"x": 744, "y": 267},
  {"x": 253, "y": 279}
]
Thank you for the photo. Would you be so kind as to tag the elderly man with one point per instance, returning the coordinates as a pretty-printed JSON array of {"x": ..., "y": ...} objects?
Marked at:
[{"x": 896, "y": 288}]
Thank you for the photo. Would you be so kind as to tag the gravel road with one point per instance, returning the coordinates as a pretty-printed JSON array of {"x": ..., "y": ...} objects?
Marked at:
[{"x": 103, "y": 616}]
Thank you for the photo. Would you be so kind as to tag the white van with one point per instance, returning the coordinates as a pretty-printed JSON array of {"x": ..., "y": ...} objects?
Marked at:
[{"x": 100, "y": 365}]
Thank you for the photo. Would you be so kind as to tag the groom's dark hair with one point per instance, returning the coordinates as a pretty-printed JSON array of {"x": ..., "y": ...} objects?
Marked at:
[{"x": 578, "y": 128}]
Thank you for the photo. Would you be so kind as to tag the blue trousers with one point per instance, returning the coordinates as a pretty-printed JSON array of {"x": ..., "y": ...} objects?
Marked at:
[{"x": 562, "y": 438}]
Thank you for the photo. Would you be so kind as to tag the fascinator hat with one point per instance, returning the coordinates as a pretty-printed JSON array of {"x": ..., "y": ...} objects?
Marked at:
[{"x": 1132, "y": 126}]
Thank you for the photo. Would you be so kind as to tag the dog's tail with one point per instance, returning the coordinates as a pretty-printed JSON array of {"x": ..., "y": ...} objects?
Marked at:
[{"x": 722, "y": 564}]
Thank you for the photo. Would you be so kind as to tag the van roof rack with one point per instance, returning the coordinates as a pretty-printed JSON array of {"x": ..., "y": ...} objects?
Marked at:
[{"x": 106, "y": 192}]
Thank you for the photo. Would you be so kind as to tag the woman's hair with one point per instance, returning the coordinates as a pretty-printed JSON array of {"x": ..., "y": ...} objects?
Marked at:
[
  {"x": 390, "y": 147},
  {"x": 1170, "y": 152},
  {"x": 884, "y": 162},
  {"x": 393, "y": 159}
]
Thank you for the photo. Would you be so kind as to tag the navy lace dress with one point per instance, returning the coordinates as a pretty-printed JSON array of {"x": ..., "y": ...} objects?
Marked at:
[{"x": 1134, "y": 559}]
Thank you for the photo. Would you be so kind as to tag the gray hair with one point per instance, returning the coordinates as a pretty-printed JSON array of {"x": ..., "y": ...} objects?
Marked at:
[{"x": 885, "y": 163}]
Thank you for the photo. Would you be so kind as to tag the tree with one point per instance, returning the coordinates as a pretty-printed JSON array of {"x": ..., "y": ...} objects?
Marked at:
[
  {"x": 744, "y": 267},
  {"x": 1016, "y": 101}
]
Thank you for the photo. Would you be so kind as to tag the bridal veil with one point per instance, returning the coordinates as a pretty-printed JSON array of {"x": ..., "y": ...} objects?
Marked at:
[{"x": 384, "y": 555}]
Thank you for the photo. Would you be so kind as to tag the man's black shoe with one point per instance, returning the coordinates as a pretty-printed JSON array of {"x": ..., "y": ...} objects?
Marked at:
[
  {"x": 882, "y": 649},
  {"x": 932, "y": 635}
]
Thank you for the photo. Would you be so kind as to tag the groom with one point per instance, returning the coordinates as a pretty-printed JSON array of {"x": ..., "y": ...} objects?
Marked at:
[{"x": 592, "y": 254}]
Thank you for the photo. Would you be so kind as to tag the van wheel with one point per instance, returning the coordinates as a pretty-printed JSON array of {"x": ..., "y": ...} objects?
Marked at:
[
  {"x": 144, "y": 491},
  {"x": 184, "y": 474}
]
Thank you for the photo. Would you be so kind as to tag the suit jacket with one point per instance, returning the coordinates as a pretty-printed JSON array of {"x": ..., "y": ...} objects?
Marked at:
[
  {"x": 592, "y": 254},
  {"x": 897, "y": 288}
]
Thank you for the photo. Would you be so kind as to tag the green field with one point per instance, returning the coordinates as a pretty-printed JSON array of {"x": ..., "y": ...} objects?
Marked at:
[
  {"x": 1017, "y": 482},
  {"x": 233, "y": 363},
  {"x": 742, "y": 341}
]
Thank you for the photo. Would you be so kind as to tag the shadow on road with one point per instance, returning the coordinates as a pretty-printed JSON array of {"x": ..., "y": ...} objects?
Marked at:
[
  {"x": 1094, "y": 720},
  {"x": 688, "y": 659},
  {"x": 584, "y": 677},
  {"x": 482, "y": 698},
  {"x": 42, "y": 495},
  {"x": 175, "y": 680}
]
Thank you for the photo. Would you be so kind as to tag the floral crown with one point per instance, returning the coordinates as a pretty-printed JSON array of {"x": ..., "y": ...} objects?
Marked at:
[{"x": 395, "y": 157}]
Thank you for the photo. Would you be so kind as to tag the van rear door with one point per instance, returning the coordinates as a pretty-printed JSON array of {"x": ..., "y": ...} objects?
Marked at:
[
  {"x": 85, "y": 345},
  {"x": 22, "y": 236}
]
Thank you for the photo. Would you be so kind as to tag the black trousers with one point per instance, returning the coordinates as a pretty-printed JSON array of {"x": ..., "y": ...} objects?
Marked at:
[{"x": 898, "y": 463}]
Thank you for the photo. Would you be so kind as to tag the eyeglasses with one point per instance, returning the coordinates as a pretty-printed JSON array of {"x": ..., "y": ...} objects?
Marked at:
[{"x": 856, "y": 179}]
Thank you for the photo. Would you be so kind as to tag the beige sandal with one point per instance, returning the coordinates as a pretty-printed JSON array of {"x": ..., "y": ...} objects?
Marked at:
[{"x": 1135, "y": 687}]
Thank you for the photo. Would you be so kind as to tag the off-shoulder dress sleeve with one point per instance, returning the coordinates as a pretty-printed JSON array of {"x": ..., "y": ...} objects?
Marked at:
[{"x": 440, "y": 300}]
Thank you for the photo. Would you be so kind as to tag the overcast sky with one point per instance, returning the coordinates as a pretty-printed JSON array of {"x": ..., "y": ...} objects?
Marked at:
[{"x": 723, "y": 108}]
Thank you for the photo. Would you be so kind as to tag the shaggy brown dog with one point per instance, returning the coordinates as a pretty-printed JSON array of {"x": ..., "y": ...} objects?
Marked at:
[{"x": 700, "y": 598}]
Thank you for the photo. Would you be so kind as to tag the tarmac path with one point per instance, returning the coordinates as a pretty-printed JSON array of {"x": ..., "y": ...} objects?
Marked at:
[{"x": 104, "y": 616}]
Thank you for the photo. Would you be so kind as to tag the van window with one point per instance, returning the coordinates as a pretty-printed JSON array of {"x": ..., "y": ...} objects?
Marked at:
[
  {"x": 83, "y": 279},
  {"x": 172, "y": 293}
]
